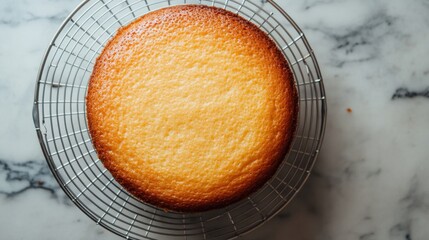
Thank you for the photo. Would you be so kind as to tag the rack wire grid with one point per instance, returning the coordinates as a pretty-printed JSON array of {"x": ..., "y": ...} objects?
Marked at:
[{"x": 60, "y": 119}]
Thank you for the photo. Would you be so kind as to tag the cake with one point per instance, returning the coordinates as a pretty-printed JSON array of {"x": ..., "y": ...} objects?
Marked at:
[{"x": 191, "y": 108}]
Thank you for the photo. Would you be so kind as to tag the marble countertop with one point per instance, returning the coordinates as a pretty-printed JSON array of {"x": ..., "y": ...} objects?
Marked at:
[{"x": 370, "y": 181}]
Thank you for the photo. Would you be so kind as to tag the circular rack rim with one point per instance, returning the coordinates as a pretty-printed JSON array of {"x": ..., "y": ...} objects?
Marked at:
[{"x": 41, "y": 128}]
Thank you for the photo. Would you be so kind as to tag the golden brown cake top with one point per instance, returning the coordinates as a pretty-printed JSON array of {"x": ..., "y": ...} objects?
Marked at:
[{"x": 191, "y": 107}]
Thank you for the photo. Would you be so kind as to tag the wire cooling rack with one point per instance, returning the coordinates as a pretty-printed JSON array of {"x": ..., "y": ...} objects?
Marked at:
[{"x": 60, "y": 120}]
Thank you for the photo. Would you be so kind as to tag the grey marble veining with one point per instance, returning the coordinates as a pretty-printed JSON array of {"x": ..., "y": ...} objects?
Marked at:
[
  {"x": 370, "y": 181},
  {"x": 21, "y": 177}
]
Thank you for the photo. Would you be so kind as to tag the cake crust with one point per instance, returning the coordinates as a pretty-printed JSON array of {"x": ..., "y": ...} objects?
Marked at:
[{"x": 191, "y": 108}]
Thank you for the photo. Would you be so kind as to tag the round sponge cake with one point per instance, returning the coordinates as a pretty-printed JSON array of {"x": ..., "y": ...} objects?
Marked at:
[{"x": 191, "y": 107}]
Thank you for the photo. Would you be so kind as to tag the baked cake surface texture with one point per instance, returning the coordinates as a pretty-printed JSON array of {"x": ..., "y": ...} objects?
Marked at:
[{"x": 191, "y": 108}]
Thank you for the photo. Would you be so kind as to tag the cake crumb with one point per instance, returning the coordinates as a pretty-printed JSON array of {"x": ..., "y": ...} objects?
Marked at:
[
  {"x": 39, "y": 183},
  {"x": 349, "y": 110}
]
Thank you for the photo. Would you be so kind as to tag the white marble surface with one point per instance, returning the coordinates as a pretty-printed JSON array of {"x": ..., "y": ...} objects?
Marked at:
[{"x": 370, "y": 182}]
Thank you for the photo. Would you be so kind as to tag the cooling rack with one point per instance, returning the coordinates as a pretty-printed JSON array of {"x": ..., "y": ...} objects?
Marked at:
[{"x": 60, "y": 119}]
